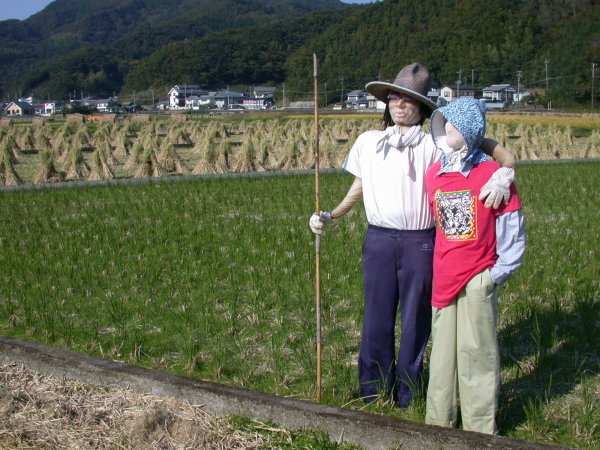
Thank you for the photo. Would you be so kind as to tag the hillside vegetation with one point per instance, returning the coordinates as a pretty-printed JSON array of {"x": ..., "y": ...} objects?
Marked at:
[{"x": 135, "y": 45}]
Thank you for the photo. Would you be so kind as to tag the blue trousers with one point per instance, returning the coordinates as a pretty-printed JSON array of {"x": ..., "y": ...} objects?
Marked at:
[{"x": 398, "y": 272}]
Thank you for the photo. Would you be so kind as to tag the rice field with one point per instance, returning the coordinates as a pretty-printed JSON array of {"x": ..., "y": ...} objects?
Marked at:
[{"x": 213, "y": 277}]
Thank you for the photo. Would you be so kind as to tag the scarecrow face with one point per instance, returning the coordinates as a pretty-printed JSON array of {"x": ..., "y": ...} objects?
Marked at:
[
  {"x": 454, "y": 138},
  {"x": 405, "y": 110}
]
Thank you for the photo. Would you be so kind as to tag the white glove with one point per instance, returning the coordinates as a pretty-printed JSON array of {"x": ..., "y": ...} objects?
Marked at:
[
  {"x": 318, "y": 221},
  {"x": 498, "y": 187}
]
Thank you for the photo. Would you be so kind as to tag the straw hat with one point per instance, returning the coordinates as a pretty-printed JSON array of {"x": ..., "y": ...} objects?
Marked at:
[{"x": 413, "y": 80}]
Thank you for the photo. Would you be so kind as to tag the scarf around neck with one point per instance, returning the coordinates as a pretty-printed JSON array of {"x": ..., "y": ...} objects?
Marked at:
[{"x": 403, "y": 142}]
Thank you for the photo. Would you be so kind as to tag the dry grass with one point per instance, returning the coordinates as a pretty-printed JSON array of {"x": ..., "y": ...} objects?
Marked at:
[
  {"x": 38, "y": 411},
  {"x": 168, "y": 147}
]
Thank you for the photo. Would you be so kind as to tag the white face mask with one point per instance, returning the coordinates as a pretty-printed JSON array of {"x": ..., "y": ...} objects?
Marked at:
[{"x": 442, "y": 144}]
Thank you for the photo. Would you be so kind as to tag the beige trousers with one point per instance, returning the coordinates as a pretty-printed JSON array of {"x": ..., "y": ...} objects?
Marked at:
[{"x": 465, "y": 359}]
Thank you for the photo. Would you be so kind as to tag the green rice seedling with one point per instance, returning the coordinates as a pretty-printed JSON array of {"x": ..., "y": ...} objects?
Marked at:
[{"x": 141, "y": 273}]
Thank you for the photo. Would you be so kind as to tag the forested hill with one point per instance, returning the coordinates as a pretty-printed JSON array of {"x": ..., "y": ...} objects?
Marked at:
[{"x": 134, "y": 45}]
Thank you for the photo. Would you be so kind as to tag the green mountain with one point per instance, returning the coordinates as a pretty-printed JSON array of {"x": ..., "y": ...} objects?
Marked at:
[{"x": 125, "y": 46}]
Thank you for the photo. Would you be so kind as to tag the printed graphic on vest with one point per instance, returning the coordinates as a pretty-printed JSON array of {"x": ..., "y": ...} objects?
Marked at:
[{"x": 456, "y": 215}]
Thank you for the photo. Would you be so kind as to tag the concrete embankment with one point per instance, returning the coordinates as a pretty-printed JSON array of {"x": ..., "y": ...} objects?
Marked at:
[{"x": 370, "y": 431}]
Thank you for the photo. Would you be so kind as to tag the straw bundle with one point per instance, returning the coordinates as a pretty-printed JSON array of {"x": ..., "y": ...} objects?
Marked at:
[
  {"x": 48, "y": 172},
  {"x": 76, "y": 167},
  {"x": 8, "y": 175},
  {"x": 148, "y": 165},
  {"x": 101, "y": 168},
  {"x": 170, "y": 160},
  {"x": 9, "y": 146}
]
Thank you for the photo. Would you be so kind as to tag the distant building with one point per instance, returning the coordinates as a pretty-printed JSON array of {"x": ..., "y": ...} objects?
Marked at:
[
  {"x": 196, "y": 102},
  {"x": 225, "y": 98},
  {"x": 19, "y": 108},
  {"x": 499, "y": 93},
  {"x": 53, "y": 107},
  {"x": 453, "y": 91},
  {"x": 357, "y": 100},
  {"x": 178, "y": 94}
]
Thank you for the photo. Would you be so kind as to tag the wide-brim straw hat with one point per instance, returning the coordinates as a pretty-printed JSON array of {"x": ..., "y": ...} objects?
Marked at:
[{"x": 413, "y": 80}]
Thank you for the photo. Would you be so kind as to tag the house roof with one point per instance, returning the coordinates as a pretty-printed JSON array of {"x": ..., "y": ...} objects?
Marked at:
[
  {"x": 264, "y": 89},
  {"x": 22, "y": 105},
  {"x": 228, "y": 94},
  {"x": 357, "y": 93},
  {"x": 462, "y": 87},
  {"x": 498, "y": 87}
]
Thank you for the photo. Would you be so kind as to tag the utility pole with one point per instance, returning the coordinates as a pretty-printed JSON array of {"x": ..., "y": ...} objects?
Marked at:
[
  {"x": 593, "y": 76},
  {"x": 458, "y": 83},
  {"x": 473, "y": 78},
  {"x": 325, "y": 95},
  {"x": 519, "y": 75},
  {"x": 546, "y": 62},
  {"x": 342, "y": 97},
  {"x": 283, "y": 99}
]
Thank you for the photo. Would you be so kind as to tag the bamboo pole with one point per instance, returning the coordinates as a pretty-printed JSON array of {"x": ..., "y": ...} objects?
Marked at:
[{"x": 317, "y": 236}]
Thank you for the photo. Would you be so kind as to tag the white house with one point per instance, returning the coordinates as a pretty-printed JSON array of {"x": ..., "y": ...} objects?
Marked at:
[
  {"x": 53, "y": 107},
  {"x": 499, "y": 93},
  {"x": 196, "y": 102},
  {"x": 179, "y": 93},
  {"x": 453, "y": 91}
]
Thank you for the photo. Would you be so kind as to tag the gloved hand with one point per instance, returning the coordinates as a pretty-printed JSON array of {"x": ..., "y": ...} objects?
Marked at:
[
  {"x": 318, "y": 221},
  {"x": 498, "y": 187}
]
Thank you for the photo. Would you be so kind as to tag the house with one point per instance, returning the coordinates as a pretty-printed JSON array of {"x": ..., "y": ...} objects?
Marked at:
[
  {"x": 257, "y": 103},
  {"x": 225, "y": 98},
  {"x": 373, "y": 103},
  {"x": 262, "y": 98},
  {"x": 197, "y": 102},
  {"x": 453, "y": 91},
  {"x": 503, "y": 93},
  {"x": 53, "y": 107},
  {"x": 179, "y": 93},
  {"x": 108, "y": 105},
  {"x": 357, "y": 99},
  {"x": 264, "y": 91},
  {"x": 19, "y": 108}
]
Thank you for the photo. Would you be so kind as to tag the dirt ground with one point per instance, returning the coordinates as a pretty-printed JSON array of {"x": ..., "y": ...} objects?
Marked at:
[{"x": 39, "y": 411}]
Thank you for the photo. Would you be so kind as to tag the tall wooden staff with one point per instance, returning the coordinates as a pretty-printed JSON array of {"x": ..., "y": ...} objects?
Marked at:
[{"x": 317, "y": 236}]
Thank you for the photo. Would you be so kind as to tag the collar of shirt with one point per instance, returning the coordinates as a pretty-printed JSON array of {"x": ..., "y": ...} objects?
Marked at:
[{"x": 465, "y": 168}]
